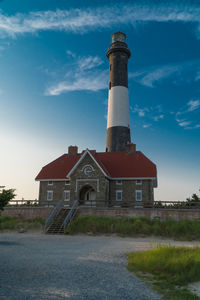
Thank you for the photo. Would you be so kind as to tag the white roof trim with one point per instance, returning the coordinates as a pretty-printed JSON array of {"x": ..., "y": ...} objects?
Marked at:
[
  {"x": 111, "y": 178},
  {"x": 130, "y": 178},
  {"x": 50, "y": 179},
  {"x": 87, "y": 151}
]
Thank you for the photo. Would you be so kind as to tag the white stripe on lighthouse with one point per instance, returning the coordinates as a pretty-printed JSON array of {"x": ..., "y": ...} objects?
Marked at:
[{"x": 118, "y": 107}]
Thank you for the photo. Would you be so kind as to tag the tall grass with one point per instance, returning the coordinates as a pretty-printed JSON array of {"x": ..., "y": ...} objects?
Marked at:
[
  {"x": 15, "y": 223},
  {"x": 182, "y": 230},
  {"x": 172, "y": 267}
]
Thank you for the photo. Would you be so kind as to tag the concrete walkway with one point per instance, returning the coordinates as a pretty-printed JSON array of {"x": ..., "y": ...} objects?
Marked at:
[{"x": 36, "y": 266}]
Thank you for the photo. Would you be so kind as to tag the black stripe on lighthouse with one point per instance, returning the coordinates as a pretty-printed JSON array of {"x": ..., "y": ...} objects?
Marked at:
[{"x": 118, "y": 129}]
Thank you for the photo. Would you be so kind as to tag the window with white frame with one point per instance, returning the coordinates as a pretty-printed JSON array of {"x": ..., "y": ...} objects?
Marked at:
[
  {"x": 50, "y": 182},
  {"x": 138, "y": 182},
  {"x": 49, "y": 195},
  {"x": 118, "y": 195},
  {"x": 66, "y": 195},
  {"x": 119, "y": 182},
  {"x": 67, "y": 182},
  {"x": 138, "y": 195}
]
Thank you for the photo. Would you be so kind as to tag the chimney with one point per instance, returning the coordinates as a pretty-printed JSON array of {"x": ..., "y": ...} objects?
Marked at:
[
  {"x": 72, "y": 150},
  {"x": 130, "y": 148}
]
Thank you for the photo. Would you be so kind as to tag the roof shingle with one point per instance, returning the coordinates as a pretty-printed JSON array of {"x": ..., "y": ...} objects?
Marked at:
[{"x": 114, "y": 164}]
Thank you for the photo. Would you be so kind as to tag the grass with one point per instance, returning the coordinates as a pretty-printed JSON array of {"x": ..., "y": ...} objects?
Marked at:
[
  {"x": 15, "y": 223},
  {"x": 181, "y": 230},
  {"x": 172, "y": 269}
]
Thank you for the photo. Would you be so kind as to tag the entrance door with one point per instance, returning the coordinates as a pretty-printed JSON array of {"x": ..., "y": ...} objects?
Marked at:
[{"x": 88, "y": 196}]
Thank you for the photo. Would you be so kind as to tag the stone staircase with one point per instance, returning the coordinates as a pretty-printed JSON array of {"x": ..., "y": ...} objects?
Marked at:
[{"x": 57, "y": 225}]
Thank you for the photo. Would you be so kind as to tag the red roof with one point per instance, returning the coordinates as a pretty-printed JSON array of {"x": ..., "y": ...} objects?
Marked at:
[{"x": 114, "y": 164}]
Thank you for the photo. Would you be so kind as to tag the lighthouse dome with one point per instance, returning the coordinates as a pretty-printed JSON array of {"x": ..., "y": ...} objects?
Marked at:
[{"x": 118, "y": 37}]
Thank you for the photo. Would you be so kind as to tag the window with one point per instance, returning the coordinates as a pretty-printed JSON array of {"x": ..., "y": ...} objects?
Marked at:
[
  {"x": 66, "y": 195},
  {"x": 49, "y": 195},
  {"x": 119, "y": 182},
  {"x": 138, "y": 195},
  {"x": 138, "y": 182},
  {"x": 67, "y": 182},
  {"x": 50, "y": 182},
  {"x": 118, "y": 195}
]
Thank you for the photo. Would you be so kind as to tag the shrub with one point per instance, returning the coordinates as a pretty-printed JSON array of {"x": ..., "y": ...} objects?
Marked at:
[
  {"x": 14, "y": 223},
  {"x": 183, "y": 229}
]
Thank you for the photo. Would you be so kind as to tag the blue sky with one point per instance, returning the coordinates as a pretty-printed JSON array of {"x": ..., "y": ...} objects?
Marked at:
[{"x": 54, "y": 79}]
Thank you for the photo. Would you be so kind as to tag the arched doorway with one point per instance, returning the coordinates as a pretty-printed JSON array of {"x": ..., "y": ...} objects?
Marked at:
[{"x": 87, "y": 196}]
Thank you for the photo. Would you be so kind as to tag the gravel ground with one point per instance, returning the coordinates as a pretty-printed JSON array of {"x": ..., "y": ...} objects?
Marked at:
[{"x": 37, "y": 266}]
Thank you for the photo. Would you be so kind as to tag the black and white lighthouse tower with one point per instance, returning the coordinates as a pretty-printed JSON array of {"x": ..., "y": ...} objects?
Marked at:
[{"x": 118, "y": 129}]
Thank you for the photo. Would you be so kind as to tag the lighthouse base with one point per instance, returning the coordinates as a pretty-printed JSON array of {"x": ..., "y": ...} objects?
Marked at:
[{"x": 117, "y": 138}]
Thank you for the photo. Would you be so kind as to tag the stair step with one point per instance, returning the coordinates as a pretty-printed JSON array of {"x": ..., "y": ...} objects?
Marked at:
[{"x": 57, "y": 227}]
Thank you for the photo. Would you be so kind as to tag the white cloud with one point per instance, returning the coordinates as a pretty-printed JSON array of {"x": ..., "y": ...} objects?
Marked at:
[
  {"x": 94, "y": 81},
  {"x": 146, "y": 125},
  {"x": 81, "y": 20},
  {"x": 140, "y": 111},
  {"x": 156, "y": 118},
  {"x": 193, "y": 105},
  {"x": 192, "y": 126},
  {"x": 151, "y": 113},
  {"x": 70, "y": 53},
  {"x": 188, "y": 115},
  {"x": 187, "y": 71},
  {"x": 190, "y": 107},
  {"x": 184, "y": 124},
  {"x": 83, "y": 75},
  {"x": 148, "y": 78},
  {"x": 90, "y": 62}
]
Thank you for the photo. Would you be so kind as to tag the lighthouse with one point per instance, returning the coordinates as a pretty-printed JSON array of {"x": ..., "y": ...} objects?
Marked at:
[
  {"x": 118, "y": 177},
  {"x": 118, "y": 128}
]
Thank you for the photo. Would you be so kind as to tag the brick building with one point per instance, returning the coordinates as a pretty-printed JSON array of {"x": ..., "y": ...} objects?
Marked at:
[{"x": 121, "y": 176}]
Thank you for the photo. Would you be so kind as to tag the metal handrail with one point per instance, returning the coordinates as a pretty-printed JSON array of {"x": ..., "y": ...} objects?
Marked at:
[
  {"x": 70, "y": 213},
  {"x": 53, "y": 213}
]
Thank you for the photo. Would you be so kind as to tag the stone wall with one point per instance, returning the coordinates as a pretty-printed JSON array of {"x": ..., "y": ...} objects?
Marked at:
[
  {"x": 27, "y": 212},
  {"x": 96, "y": 180},
  {"x": 78, "y": 180},
  {"x": 150, "y": 213},
  {"x": 162, "y": 214},
  {"x": 57, "y": 187},
  {"x": 129, "y": 188}
]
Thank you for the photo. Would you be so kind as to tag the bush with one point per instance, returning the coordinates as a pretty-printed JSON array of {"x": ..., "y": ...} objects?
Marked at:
[
  {"x": 5, "y": 196},
  {"x": 183, "y": 229},
  {"x": 14, "y": 223}
]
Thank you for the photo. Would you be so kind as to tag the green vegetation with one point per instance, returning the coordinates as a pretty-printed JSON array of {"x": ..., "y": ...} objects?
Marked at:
[
  {"x": 181, "y": 230},
  {"x": 191, "y": 202},
  {"x": 16, "y": 223},
  {"x": 6, "y": 196},
  {"x": 172, "y": 269}
]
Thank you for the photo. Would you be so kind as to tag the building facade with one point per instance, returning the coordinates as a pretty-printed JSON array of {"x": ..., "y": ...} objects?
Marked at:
[
  {"x": 98, "y": 179},
  {"x": 118, "y": 177}
]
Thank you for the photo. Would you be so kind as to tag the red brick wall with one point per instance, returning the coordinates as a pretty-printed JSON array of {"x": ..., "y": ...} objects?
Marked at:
[
  {"x": 163, "y": 214},
  {"x": 27, "y": 212}
]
